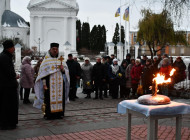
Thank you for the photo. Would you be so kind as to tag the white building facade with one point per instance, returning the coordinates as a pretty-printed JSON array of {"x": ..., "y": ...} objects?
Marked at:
[{"x": 53, "y": 21}]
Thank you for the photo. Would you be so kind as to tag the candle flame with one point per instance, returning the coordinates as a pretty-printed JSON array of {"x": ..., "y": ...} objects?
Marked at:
[
  {"x": 160, "y": 79},
  {"x": 172, "y": 72}
]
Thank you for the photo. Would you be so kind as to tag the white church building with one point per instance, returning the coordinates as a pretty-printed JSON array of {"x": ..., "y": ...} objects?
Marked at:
[
  {"x": 12, "y": 25},
  {"x": 50, "y": 21},
  {"x": 53, "y": 21}
]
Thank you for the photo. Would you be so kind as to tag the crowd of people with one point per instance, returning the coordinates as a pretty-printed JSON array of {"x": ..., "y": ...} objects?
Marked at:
[
  {"x": 55, "y": 81},
  {"x": 107, "y": 76},
  {"x": 122, "y": 81}
]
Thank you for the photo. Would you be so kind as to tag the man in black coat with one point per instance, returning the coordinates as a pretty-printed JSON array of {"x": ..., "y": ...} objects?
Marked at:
[
  {"x": 79, "y": 71},
  {"x": 127, "y": 60},
  {"x": 8, "y": 88},
  {"x": 106, "y": 67},
  {"x": 74, "y": 73},
  {"x": 99, "y": 77}
]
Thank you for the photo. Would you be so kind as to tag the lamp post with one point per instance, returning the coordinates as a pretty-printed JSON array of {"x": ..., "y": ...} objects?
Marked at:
[{"x": 39, "y": 43}]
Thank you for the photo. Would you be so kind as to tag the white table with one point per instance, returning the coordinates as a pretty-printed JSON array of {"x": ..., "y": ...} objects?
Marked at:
[{"x": 153, "y": 113}]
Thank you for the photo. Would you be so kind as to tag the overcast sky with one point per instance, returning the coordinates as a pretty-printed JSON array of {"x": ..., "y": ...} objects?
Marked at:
[{"x": 103, "y": 12}]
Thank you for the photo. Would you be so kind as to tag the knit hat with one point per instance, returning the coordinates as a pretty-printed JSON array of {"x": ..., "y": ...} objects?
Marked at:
[
  {"x": 86, "y": 59},
  {"x": 70, "y": 55},
  {"x": 115, "y": 60},
  {"x": 166, "y": 55},
  {"x": 138, "y": 60},
  {"x": 8, "y": 44},
  {"x": 166, "y": 60},
  {"x": 54, "y": 45}
]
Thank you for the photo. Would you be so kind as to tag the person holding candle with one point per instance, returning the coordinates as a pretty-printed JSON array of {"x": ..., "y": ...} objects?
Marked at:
[{"x": 86, "y": 75}]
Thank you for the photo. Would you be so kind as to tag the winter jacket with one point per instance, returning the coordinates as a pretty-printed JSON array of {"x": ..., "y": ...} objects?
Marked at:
[
  {"x": 165, "y": 70},
  {"x": 128, "y": 75},
  {"x": 86, "y": 75},
  {"x": 106, "y": 67},
  {"x": 155, "y": 67},
  {"x": 98, "y": 73},
  {"x": 147, "y": 75},
  {"x": 123, "y": 79},
  {"x": 136, "y": 73},
  {"x": 114, "y": 74},
  {"x": 7, "y": 71},
  {"x": 180, "y": 74},
  {"x": 74, "y": 70},
  {"x": 27, "y": 74}
]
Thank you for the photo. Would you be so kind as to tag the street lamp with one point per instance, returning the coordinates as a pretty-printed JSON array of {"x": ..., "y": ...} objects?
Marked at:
[{"x": 39, "y": 42}]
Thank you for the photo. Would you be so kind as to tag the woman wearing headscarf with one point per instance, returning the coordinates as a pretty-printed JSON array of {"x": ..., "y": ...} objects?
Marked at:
[
  {"x": 86, "y": 75},
  {"x": 114, "y": 74},
  {"x": 165, "y": 70},
  {"x": 27, "y": 78}
]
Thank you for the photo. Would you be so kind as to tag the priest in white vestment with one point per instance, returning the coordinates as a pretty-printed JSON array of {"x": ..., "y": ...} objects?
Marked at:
[{"x": 52, "y": 84}]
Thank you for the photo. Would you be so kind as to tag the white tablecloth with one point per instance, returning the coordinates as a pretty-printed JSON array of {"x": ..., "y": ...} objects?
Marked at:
[{"x": 174, "y": 108}]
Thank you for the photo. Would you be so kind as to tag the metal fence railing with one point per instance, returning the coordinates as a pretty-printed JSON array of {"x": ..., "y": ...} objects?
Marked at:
[{"x": 183, "y": 85}]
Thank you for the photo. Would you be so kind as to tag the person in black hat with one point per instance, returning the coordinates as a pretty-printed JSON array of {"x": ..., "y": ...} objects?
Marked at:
[
  {"x": 112, "y": 57},
  {"x": 53, "y": 77},
  {"x": 74, "y": 72},
  {"x": 54, "y": 49},
  {"x": 127, "y": 60},
  {"x": 143, "y": 60},
  {"x": 8, "y": 88}
]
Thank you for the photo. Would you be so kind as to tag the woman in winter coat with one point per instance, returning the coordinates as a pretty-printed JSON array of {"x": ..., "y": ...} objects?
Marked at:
[
  {"x": 86, "y": 75},
  {"x": 114, "y": 74},
  {"x": 123, "y": 80},
  {"x": 147, "y": 76},
  {"x": 165, "y": 67},
  {"x": 136, "y": 76},
  {"x": 27, "y": 78},
  {"x": 180, "y": 68},
  {"x": 128, "y": 78}
]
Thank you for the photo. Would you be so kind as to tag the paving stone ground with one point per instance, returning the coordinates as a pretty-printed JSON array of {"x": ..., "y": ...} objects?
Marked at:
[
  {"x": 139, "y": 132},
  {"x": 89, "y": 119}
]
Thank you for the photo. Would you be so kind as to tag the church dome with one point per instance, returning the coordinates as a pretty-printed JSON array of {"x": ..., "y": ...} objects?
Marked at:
[{"x": 11, "y": 19}]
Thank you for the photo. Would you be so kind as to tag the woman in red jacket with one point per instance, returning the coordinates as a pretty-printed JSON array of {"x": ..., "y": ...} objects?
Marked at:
[
  {"x": 136, "y": 76},
  {"x": 165, "y": 70}
]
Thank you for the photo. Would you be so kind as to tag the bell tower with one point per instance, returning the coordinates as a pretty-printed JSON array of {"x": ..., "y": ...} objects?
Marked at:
[{"x": 4, "y": 5}]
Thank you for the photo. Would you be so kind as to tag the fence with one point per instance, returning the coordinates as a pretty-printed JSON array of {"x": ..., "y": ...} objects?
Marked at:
[{"x": 184, "y": 85}]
